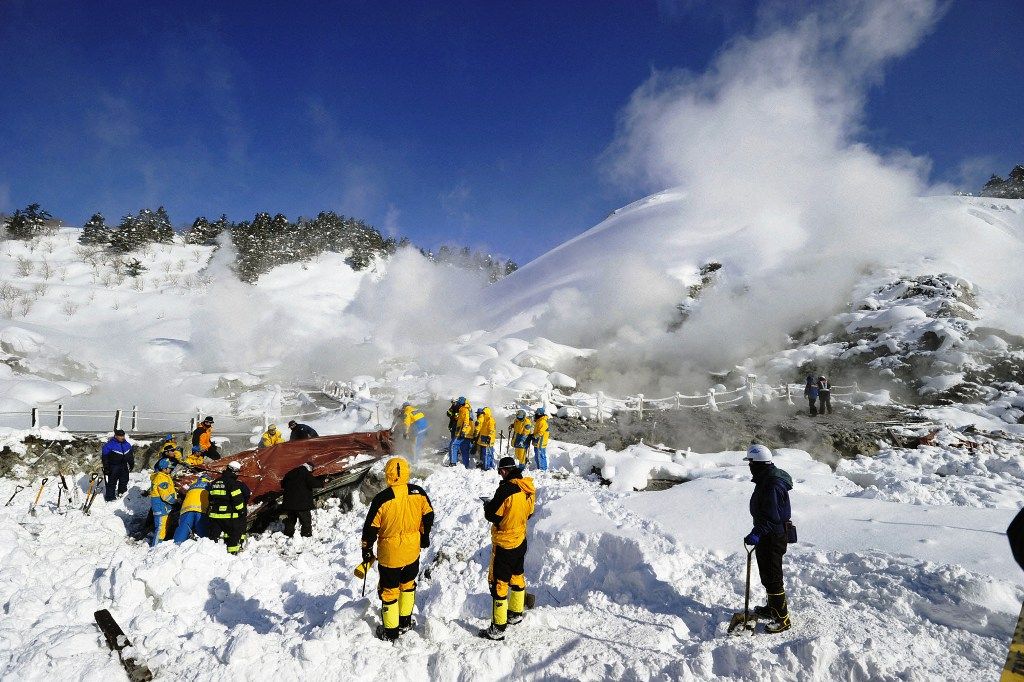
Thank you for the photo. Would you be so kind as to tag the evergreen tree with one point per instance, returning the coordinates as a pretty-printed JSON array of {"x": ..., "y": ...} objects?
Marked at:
[
  {"x": 203, "y": 232},
  {"x": 28, "y": 223},
  {"x": 95, "y": 232}
]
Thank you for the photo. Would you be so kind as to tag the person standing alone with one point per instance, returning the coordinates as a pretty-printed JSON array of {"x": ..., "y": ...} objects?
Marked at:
[
  {"x": 770, "y": 509},
  {"x": 118, "y": 458}
]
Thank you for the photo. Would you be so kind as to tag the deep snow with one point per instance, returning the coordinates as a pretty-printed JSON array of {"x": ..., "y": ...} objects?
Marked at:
[{"x": 629, "y": 585}]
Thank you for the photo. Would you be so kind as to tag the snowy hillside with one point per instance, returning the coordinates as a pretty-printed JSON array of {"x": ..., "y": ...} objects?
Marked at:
[{"x": 902, "y": 571}]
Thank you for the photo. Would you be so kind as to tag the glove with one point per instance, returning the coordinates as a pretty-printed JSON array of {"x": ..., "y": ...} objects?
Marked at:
[
  {"x": 485, "y": 440},
  {"x": 752, "y": 539},
  {"x": 424, "y": 541},
  {"x": 368, "y": 554}
]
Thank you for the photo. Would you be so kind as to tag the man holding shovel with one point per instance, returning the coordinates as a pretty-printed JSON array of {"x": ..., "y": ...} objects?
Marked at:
[{"x": 769, "y": 507}]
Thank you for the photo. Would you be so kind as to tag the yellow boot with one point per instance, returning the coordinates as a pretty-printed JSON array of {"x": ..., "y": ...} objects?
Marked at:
[{"x": 499, "y": 619}]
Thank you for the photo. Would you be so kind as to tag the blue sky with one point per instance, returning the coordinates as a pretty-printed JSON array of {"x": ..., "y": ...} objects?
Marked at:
[{"x": 478, "y": 123}]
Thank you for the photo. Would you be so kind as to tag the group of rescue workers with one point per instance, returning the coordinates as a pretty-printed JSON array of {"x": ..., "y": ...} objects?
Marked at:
[
  {"x": 400, "y": 517},
  {"x": 473, "y": 441}
]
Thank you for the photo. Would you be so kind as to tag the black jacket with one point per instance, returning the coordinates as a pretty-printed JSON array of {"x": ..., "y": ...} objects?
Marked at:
[
  {"x": 769, "y": 504},
  {"x": 1016, "y": 535},
  {"x": 303, "y": 432},
  {"x": 298, "y": 485}
]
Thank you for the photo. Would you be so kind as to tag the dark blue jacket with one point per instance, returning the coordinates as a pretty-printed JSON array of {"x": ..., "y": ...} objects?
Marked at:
[
  {"x": 303, "y": 432},
  {"x": 811, "y": 388},
  {"x": 116, "y": 455},
  {"x": 769, "y": 505}
]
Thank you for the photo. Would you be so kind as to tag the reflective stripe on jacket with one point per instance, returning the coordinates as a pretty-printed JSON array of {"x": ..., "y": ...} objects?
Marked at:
[{"x": 227, "y": 499}]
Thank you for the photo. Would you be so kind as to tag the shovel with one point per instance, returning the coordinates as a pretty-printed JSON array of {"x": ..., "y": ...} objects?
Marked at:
[{"x": 745, "y": 620}]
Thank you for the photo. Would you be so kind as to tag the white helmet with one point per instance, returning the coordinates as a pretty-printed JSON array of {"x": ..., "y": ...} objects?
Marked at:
[{"x": 758, "y": 453}]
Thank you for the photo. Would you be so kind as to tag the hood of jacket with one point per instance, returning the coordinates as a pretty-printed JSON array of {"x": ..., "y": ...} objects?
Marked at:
[
  {"x": 767, "y": 472},
  {"x": 525, "y": 483},
  {"x": 396, "y": 471}
]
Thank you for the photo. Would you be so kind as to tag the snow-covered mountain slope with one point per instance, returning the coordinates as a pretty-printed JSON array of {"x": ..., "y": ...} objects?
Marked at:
[{"x": 657, "y": 243}]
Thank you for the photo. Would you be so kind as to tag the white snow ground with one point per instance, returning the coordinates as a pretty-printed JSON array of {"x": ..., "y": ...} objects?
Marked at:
[{"x": 629, "y": 585}]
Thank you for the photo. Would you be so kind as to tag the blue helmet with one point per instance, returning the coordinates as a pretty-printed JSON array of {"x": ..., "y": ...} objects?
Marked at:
[
  {"x": 540, "y": 412},
  {"x": 169, "y": 437},
  {"x": 461, "y": 400},
  {"x": 162, "y": 463}
]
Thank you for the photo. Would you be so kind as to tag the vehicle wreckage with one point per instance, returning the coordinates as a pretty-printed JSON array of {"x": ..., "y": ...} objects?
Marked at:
[{"x": 339, "y": 465}]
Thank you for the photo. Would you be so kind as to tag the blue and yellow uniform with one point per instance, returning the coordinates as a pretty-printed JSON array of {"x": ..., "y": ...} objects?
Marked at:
[
  {"x": 540, "y": 439},
  {"x": 415, "y": 424},
  {"x": 192, "y": 519},
  {"x": 522, "y": 429},
  {"x": 162, "y": 499}
]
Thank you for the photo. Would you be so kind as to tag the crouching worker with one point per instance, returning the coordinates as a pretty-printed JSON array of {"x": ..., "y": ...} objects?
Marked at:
[
  {"x": 162, "y": 499},
  {"x": 192, "y": 520},
  {"x": 769, "y": 507},
  {"x": 399, "y": 521},
  {"x": 509, "y": 510},
  {"x": 227, "y": 508}
]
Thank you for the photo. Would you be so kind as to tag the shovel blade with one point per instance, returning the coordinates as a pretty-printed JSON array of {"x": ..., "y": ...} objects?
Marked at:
[{"x": 743, "y": 621}]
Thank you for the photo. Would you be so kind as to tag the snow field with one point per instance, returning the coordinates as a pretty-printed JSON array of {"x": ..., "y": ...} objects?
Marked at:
[{"x": 629, "y": 586}]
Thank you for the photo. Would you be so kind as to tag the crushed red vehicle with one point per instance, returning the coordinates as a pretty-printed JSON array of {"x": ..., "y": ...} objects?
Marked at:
[{"x": 339, "y": 462}]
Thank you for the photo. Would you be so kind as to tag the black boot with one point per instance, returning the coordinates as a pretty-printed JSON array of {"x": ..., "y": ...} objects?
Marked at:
[{"x": 778, "y": 609}]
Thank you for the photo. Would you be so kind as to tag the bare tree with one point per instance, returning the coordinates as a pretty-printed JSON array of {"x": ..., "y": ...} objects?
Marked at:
[{"x": 24, "y": 266}]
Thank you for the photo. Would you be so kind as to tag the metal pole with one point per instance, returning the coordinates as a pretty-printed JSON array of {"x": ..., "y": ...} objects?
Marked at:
[
  {"x": 60, "y": 416},
  {"x": 600, "y": 407},
  {"x": 117, "y": 420},
  {"x": 35, "y": 417},
  {"x": 712, "y": 405},
  {"x": 135, "y": 417}
]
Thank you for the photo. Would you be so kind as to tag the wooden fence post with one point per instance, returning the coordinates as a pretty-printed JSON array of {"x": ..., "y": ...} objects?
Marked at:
[
  {"x": 35, "y": 417},
  {"x": 712, "y": 405},
  {"x": 60, "y": 416},
  {"x": 117, "y": 419}
]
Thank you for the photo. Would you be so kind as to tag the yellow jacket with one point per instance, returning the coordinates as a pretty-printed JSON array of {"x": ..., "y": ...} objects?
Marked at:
[
  {"x": 162, "y": 486},
  {"x": 464, "y": 426},
  {"x": 194, "y": 459},
  {"x": 197, "y": 499},
  {"x": 540, "y": 432},
  {"x": 486, "y": 429},
  {"x": 398, "y": 517},
  {"x": 410, "y": 415},
  {"x": 510, "y": 508},
  {"x": 522, "y": 427},
  {"x": 269, "y": 439}
]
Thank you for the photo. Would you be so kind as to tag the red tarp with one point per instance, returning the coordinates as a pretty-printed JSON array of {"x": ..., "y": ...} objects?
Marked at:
[{"x": 262, "y": 470}]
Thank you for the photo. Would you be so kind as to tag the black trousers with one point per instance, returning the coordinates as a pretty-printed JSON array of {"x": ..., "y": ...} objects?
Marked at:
[
  {"x": 810, "y": 403},
  {"x": 116, "y": 482},
  {"x": 230, "y": 530},
  {"x": 305, "y": 519},
  {"x": 392, "y": 580},
  {"x": 769, "y": 552},
  {"x": 505, "y": 563},
  {"x": 825, "y": 402}
]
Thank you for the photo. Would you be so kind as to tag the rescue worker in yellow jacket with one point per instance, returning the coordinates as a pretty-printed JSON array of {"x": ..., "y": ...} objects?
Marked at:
[
  {"x": 540, "y": 439},
  {"x": 195, "y": 458},
  {"x": 464, "y": 429},
  {"x": 511, "y": 507},
  {"x": 399, "y": 521},
  {"x": 162, "y": 498},
  {"x": 415, "y": 423},
  {"x": 486, "y": 434},
  {"x": 271, "y": 437},
  {"x": 519, "y": 433}
]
